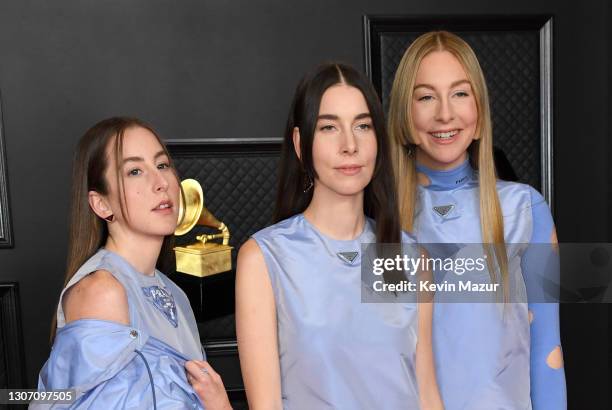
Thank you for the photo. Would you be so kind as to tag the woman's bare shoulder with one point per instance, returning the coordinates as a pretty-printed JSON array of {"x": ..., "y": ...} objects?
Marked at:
[{"x": 98, "y": 295}]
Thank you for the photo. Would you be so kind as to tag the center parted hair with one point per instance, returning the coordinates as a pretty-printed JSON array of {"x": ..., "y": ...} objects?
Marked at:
[
  {"x": 401, "y": 128},
  {"x": 380, "y": 201}
]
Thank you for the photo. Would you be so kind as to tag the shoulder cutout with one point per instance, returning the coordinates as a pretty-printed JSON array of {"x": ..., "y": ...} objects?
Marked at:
[{"x": 97, "y": 296}]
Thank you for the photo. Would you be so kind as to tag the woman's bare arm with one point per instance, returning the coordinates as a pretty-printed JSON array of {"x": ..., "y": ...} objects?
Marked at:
[
  {"x": 97, "y": 296},
  {"x": 429, "y": 394},
  {"x": 256, "y": 330}
]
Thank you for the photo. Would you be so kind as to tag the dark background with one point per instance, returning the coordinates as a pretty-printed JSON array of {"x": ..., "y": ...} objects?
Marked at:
[{"x": 227, "y": 69}]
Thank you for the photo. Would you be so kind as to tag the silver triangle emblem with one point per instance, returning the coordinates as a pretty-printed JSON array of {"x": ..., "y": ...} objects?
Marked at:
[
  {"x": 347, "y": 257},
  {"x": 443, "y": 210}
]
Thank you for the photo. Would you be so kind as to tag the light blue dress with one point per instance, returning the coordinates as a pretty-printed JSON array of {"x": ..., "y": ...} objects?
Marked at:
[
  {"x": 487, "y": 354},
  {"x": 336, "y": 352},
  {"x": 138, "y": 366}
]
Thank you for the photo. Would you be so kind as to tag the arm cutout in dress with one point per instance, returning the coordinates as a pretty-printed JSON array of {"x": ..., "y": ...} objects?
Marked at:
[
  {"x": 540, "y": 266},
  {"x": 97, "y": 296}
]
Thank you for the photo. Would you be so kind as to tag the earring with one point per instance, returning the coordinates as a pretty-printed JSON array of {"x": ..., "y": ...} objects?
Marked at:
[
  {"x": 409, "y": 150},
  {"x": 110, "y": 218},
  {"x": 308, "y": 184}
]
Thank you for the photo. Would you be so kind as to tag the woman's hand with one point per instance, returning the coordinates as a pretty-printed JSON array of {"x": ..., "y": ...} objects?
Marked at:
[{"x": 208, "y": 385}]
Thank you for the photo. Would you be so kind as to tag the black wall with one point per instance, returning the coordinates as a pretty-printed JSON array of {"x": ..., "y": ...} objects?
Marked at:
[{"x": 211, "y": 69}]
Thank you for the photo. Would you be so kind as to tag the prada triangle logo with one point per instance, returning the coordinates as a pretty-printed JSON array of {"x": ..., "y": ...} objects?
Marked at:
[
  {"x": 443, "y": 210},
  {"x": 347, "y": 257}
]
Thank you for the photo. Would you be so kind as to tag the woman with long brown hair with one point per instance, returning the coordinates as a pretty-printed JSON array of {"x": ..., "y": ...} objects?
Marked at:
[
  {"x": 488, "y": 355},
  {"x": 125, "y": 335},
  {"x": 305, "y": 338}
]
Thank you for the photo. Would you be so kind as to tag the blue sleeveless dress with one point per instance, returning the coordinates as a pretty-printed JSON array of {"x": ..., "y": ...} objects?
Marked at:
[
  {"x": 141, "y": 365},
  {"x": 487, "y": 354},
  {"x": 336, "y": 352}
]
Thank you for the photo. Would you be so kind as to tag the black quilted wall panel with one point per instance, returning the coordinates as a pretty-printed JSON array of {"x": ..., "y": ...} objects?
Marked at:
[
  {"x": 509, "y": 55},
  {"x": 239, "y": 183}
]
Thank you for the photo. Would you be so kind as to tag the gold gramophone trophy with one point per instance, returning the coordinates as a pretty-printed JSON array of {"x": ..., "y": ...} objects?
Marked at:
[{"x": 202, "y": 258}]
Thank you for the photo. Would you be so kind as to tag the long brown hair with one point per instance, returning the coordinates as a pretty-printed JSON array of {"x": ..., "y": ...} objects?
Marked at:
[
  {"x": 401, "y": 129},
  {"x": 87, "y": 231},
  {"x": 380, "y": 201}
]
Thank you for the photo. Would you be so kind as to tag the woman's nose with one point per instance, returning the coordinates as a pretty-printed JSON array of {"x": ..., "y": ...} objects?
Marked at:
[
  {"x": 349, "y": 145},
  {"x": 161, "y": 182},
  {"x": 445, "y": 111}
]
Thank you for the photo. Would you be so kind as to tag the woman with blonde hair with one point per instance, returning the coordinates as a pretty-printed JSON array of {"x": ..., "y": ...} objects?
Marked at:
[{"x": 487, "y": 355}]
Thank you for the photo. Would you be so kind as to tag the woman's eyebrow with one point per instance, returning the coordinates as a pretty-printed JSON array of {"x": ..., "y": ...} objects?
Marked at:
[
  {"x": 133, "y": 159},
  {"x": 327, "y": 117},
  {"x": 453, "y": 84},
  {"x": 431, "y": 87},
  {"x": 363, "y": 115},
  {"x": 159, "y": 154},
  {"x": 141, "y": 159},
  {"x": 460, "y": 82},
  {"x": 335, "y": 117}
]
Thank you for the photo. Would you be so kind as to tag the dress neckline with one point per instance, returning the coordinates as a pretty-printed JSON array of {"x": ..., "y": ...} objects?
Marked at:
[
  {"x": 366, "y": 229},
  {"x": 447, "y": 179}
]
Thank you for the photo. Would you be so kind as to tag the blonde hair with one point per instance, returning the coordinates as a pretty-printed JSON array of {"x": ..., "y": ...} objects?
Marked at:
[{"x": 401, "y": 130}]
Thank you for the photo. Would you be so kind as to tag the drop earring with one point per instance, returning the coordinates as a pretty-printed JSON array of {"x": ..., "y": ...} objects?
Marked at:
[
  {"x": 410, "y": 150},
  {"x": 308, "y": 184}
]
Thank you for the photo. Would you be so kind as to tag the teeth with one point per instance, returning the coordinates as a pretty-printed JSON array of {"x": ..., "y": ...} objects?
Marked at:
[
  {"x": 164, "y": 206},
  {"x": 444, "y": 135}
]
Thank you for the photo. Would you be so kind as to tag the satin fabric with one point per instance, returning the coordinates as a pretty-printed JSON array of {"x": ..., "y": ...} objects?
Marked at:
[
  {"x": 144, "y": 314},
  {"x": 111, "y": 365},
  {"x": 482, "y": 350},
  {"x": 335, "y": 352}
]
